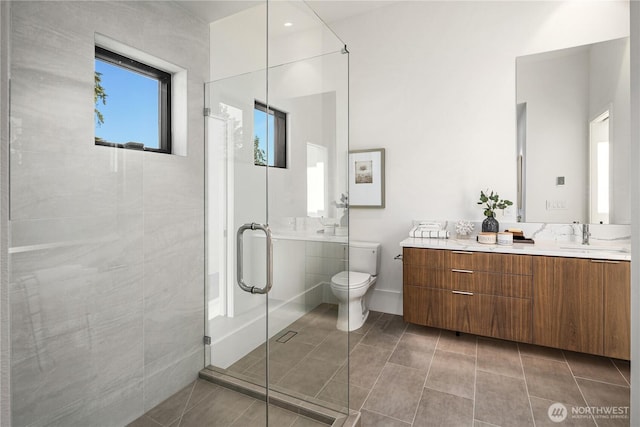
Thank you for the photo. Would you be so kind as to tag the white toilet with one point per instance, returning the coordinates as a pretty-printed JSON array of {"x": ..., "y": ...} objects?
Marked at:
[{"x": 350, "y": 287}]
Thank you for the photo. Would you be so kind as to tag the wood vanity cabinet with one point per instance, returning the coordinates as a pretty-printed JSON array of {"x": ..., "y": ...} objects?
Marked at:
[
  {"x": 582, "y": 305},
  {"x": 481, "y": 293}
]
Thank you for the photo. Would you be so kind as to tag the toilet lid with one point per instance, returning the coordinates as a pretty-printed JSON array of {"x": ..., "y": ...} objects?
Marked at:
[{"x": 350, "y": 278}]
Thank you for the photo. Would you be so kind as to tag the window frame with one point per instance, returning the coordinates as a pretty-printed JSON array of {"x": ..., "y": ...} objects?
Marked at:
[
  {"x": 164, "y": 97},
  {"x": 280, "y": 142}
]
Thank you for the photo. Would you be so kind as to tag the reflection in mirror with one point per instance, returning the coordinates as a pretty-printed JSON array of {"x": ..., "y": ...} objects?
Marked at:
[{"x": 573, "y": 141}]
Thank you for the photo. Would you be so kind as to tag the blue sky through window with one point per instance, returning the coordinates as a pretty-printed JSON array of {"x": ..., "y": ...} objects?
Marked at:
[
  {"x": 131, "y": 111},
  {"x": 260, "y": 129}
]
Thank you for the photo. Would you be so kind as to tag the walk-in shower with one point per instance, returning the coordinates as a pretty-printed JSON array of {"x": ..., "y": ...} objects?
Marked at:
[
  {"x": 277, "y": 144},
  {"x": 123, "y": 260}
]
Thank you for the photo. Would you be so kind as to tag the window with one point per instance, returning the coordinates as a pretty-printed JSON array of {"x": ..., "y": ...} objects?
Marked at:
[
  {"x": 270, "y": 140},
  {"x": 132, "y": 103}
]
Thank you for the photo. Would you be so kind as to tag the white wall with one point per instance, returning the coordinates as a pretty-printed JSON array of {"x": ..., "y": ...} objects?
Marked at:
[
  {"x": 107, "y": 263},
  {"x": 434, "y": 84}
]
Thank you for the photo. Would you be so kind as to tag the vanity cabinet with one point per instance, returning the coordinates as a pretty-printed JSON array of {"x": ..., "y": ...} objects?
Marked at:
[
  {"x": 582, "y": 305},
  {"x": 474, "y": 292}
]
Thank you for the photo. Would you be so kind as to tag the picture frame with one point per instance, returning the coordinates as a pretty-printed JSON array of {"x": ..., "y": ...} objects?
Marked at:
[{"x": 366, "y": 178}]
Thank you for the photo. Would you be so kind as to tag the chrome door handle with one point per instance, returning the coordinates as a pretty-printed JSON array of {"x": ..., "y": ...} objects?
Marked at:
[{"x": 240, "y": 258}]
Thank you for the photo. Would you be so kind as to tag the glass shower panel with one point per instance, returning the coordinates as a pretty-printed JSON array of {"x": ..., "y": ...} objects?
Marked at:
[
  {"x": 278, "y": 143},
  {"x": 236, "y": 194},
  {"x": 308, "y": 78},
  {"x": 308, "y": 354}
]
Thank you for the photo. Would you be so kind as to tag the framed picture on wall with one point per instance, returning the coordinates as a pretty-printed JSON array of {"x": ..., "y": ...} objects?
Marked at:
[{"x": 366, "y": 178}]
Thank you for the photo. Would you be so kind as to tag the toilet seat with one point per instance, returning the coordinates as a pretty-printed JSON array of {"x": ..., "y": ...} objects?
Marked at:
[{"x": 350, "y": 279}]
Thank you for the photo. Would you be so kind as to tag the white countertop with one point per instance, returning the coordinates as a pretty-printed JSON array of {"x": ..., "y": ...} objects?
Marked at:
[
  {"x": 308, "y": 236},
  {"x": 612, "y": 251}
]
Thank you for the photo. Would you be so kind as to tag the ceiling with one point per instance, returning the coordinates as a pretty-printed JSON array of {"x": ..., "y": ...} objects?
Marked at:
[{"x": 328, "y": 10}]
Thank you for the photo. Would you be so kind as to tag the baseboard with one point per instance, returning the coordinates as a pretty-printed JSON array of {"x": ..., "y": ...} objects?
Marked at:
[{"x": 386, "y": 301}]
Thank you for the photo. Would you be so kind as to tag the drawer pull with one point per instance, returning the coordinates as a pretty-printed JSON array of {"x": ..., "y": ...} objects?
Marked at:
[
  {"x": 455, "y": 270},
  {"x": 605, "y": 261},
  {"x": 462, "y": 252},
  {"x": 462, "y": 293}
]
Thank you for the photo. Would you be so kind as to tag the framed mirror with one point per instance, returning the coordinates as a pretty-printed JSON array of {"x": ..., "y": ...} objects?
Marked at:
[{"x": 573, "y": 134}]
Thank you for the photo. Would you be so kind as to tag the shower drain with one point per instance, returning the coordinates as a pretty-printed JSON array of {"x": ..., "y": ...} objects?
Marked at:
[{"x": 286, "y": 336}]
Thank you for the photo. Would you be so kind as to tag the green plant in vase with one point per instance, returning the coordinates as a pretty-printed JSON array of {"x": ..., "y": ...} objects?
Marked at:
[{"x": 491, "y": 202}]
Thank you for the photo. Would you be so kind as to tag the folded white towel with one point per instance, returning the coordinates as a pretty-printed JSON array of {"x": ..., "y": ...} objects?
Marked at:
[{"x": 429, "y": 234}]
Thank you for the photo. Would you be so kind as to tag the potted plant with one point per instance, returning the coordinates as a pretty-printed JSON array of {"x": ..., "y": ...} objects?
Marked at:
[{"x": 491, "y": 202}]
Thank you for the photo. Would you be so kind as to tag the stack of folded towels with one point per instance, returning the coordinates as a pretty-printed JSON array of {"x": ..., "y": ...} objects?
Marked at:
[{"x": 429, "y": 230}]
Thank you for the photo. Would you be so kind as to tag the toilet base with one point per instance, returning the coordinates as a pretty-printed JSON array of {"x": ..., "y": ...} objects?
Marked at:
[{"x": 352, "y": 315}]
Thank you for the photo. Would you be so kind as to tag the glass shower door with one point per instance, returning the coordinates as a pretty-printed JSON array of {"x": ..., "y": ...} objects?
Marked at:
[{"x": 277, "y": 146}]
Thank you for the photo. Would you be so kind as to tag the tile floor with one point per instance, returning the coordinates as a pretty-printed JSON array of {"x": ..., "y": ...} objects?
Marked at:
[{"x": 406, "y": 375}]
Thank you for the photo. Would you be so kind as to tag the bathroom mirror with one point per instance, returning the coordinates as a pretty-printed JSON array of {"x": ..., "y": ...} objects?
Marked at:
[{"x": 573, "y": 141}]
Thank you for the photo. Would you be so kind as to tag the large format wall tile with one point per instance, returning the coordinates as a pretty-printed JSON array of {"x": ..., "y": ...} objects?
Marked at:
[{"x": 107, "y": 278}]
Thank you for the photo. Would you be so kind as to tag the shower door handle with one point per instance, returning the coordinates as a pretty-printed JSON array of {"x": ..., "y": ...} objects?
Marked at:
[{"x": 240, "y": 258}]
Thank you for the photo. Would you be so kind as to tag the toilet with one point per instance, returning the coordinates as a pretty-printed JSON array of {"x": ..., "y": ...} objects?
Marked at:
[{"x": 350, "y": 287}]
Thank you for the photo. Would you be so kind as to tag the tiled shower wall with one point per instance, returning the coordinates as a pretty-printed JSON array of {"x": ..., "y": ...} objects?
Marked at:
[{"x": 106, "y": 245}]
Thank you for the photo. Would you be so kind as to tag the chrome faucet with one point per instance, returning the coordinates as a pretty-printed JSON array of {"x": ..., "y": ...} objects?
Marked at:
[{"x": 585, "y": 234}]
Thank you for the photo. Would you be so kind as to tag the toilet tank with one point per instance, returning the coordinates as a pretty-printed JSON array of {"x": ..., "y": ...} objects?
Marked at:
[{"x": 364, "y": 257}]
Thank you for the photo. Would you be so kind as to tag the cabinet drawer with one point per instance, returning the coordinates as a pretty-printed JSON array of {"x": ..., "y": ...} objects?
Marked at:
[
  {"x": 429, "y": 307},
  {"x": 492, "y": 262},
  {"x": 492, "y": 316},
  {"x": 482, "y": 282},
  {"x": 426, "y": 277},
  {"x": 434, "y": 258}
]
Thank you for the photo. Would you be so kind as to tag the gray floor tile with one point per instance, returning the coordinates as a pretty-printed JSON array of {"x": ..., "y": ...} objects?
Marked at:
[
  {"x": 441, "y": 409},
  {"x": 499, "y": 357},
  {"x": 336, "y": 392},
  {"x": 502, "y": 400},
  {"x": 290, "y": 352},
  {"x": 365, "y": 364},
  {"x": 452, "y": 373},
  {"x": 397, "y": 392},
  {"x": 222, "y": 407},
  {"x": 171, "y": 409},
  {"x": 594, "y": 368},
  {"x": 309, "y": 376},
  {"x": 606, "y": 397},
  {"x": 414, "y": 351},
  {"x": 624, "y": 366},
  {"x": 377, "y": 338},
  {"x": 312, "y": 335},
  {"x": 389, "y": 360},
  {"x": 371, "y": 419},
  {"x": 144, "y": 421},
  {"x": 552, "y": 380},
  {"x": 540, "y": 409},
  {"x": 200, "y": 391},
  {"x": 333, "y": 348},
  {"x": 541, "y": 352},
  {"x": 422, "y": 330},
  {"x": 277, "y": 371},
  {"x": 256, "y": 415},
  {"x": 463, "y": 344}
]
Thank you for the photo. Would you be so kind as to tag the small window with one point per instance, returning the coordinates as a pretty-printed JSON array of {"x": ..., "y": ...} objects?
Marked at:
[
  {"x": 132, "y": 103},
  {"x": 270, "y": 141}
]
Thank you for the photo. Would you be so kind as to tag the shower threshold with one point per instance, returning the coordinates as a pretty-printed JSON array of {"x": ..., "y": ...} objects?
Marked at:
[{"x": 320, "y": 413}]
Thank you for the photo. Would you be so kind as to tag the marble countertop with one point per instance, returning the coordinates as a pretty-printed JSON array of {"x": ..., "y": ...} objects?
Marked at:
[{"x": 611, "y": 251}]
